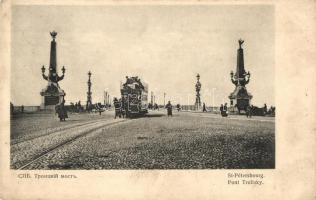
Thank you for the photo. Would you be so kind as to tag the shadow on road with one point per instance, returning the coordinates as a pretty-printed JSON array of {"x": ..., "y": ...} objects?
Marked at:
[{"x": 155, "y": 115}]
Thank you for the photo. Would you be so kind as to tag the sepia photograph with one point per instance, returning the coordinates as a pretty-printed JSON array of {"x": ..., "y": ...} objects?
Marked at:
[
  {"x": 154, "y": 100},
  {"x": 142, "y": 87}
]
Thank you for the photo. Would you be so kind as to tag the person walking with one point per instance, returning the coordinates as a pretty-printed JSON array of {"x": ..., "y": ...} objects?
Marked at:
[
  {"x": 223, "y": 110},
  {"x": 265, "y": 109},
  {"x": 98, "y": 108},
  {"x": 117, "y": 107},
  {"x": 79, "y": 106},
  {"x": 169, "y": 109},
  {"x": 61, "y": 111},
  {"x": 123, "y": 107},
  {"x": 248, "y": 111},
  {"x": 204, "y": 108}
]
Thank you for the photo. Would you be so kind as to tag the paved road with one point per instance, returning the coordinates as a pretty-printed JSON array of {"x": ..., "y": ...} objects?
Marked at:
[{"x": 185, "y": 141}]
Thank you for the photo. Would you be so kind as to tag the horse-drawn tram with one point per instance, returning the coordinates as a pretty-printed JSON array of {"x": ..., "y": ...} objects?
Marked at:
[{"x": 134, "y": 98}]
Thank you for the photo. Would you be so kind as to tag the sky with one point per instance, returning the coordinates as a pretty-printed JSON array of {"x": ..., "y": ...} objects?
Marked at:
[{"x": 166, "y": 46}]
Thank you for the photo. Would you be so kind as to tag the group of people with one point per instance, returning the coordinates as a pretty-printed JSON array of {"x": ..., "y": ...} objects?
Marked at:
[
  {"x": 77, "y": 108},
  {"x": 263, "y": 111},
  {"x": 119, "y": 107},
  {"x": 61, "y": 110},
  {"x": 120, "y": 110},
  {"x": 153, "y": 106},
  {"x": 223, "y": 110},
  {"x": 249, "y": 111}
]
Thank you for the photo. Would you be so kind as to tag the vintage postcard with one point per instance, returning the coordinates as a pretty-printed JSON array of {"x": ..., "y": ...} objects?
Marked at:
[{"x": 157, "y": 100}]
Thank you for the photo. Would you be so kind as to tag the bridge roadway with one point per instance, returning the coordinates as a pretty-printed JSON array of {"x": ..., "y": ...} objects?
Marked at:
[{"x": 185, "y": 141}]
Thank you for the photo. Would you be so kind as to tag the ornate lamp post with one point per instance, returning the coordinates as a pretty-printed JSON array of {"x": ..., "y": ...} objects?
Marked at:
[
  {"x": 240, "y": 97},
  {"x": 198, "y": 86},
  {"x": 52, "y": 94},
  {"x": 89, "y": 93}
]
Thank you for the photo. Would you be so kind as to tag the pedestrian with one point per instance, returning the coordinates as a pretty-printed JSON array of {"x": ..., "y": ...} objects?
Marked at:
[
  {"x": 117, "y": 106},
  {"x": 61, "y": 111},
  {"x": 178, "y": 107},
  {"x": 223, "y": 110},
  {"x": 248, "y": 111},
  {"x": 72, "y": 107},
  {"x": 169, "y": 109},
  {"x": 204, "y": 107},
  {"x": 265, "y": 109},
  {"x": 79, "y": 106},
  {"x": 123, "y": 107},
  {"x": 98, "y": 108},
  {"x": 273, "y": 111}
]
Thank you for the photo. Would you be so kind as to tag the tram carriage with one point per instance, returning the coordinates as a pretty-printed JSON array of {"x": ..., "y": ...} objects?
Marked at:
[{"x": 134, "y": 97}]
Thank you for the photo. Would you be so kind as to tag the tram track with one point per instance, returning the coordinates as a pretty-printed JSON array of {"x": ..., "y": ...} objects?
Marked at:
[
  {"x": 53, "y": 130},
  {"x": 232, "y": 117},
  {"x": 33, "y": 152}
]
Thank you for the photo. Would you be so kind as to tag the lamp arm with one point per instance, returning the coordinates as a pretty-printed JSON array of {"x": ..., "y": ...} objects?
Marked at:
[
  {"x": 44, "y": 76},
  {"x": 235, "y": 82},
  {"x": 248, "y": 79},
  {"x": 59, "y": 78}
]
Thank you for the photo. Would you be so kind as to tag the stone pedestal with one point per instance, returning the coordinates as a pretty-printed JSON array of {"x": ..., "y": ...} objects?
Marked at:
[
  {"x": 51, "y": 96},
  {"x": 240, "y": 98}
]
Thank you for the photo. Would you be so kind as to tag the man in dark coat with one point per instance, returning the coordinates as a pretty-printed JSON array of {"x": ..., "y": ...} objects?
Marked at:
[
  {"x": 204, "y": 107},
  {"x": 178, "y": 107},
  {"x": 123, "y": 107},
  {"x": 223, "y": 110},
  {"x": 118, "y": 108},
  {"x": 61, "y": 111},
  {"x": 79, "y": 106},
  {"x": 265, "y": 109},
  {"x": 249, "y": 111},
  {"x": 169, "y": 109}
]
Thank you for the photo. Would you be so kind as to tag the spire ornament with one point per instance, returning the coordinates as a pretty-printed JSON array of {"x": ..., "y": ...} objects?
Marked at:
[{"x": 53, "y": 34}]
